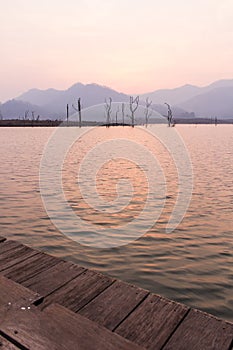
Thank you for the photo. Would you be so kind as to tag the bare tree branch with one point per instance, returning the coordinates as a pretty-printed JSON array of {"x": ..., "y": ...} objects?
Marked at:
[
  {"x": 169, "y": 114},
  {"x": 133, "y": 106},
  {"x": 108, "y": 109},
  {"x": 79, "y": 110},
  {"x": 148, "y": 111}
]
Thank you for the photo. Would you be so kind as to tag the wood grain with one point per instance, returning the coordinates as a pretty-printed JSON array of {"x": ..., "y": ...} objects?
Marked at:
[
  {"x": 153, "y": 322},
  {"x": 5, "y": 246},
  {"x": 13, "y": 295},
  {"x": 114, "y": 304},
  {"x": 31, "y": 267},
  {"x": 12, "y": 257},
  {"x": 78, "y": 292},
  {"x": 53, "y": 278},
  {"x": 57, "y": 328},
  {"x": 201, "y": 331},
  {"x": 6, "y": 345}
]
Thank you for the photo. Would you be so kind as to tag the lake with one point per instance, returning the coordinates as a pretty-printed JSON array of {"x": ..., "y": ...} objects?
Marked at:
[{"x": 192, "y": 264}]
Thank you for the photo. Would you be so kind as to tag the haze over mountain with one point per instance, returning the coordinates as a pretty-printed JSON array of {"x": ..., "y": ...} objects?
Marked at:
[
  {"x": 55, "y": 101},
  {"x": 173, "y": 96},
  {"x": 214, "y": 100},
  {"x": 217, "y": 102}
]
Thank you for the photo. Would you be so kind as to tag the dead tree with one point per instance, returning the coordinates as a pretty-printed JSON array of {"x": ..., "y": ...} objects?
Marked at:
[
  {"x": 79, "y": 110},
  {"x": 108, "y": 109},
  {"x": 148, "y": 111},
  {"x": 67, "y": 114},
  {"x": 123, "y": 113},
  {"x": 26, "y": 115},
  {"x": 117, "y": 111},
  {"x": 133, "y": 106},
  {"x": 33, "y": 118},
  {"x": 169, "y": 115}
]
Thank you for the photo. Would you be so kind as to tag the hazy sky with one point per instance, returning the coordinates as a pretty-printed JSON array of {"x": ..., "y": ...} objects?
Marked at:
[{"x": 130, "y": 45}]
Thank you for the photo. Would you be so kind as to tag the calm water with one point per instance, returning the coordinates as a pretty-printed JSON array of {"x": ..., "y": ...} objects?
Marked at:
[{"x": 193, "y": 264}]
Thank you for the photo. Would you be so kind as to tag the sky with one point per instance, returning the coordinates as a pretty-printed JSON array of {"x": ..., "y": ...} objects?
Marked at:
[{"x": 133, "y": 46}]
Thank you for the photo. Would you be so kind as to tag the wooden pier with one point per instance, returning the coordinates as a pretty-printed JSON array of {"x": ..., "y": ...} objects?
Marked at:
[{"x": 49, "y": 303}]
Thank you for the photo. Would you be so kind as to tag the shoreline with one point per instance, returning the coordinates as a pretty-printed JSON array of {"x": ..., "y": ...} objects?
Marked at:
[{"x": 55, "y": 123}]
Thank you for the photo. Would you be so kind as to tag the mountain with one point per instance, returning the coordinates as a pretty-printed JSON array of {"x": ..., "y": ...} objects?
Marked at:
[
  {"x": 16, "y": 109},
  {"x": 209, "y": 101},
  {"x": 173, "y": 96},
  {"x": 176, "y": 111},
  {"x": 217, "y": 102},
  {"x": 55, "y": 101}
]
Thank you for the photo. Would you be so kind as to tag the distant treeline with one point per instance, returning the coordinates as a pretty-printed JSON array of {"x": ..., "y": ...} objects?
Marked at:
[
  {"x": 41, "y": 123},
  {"x": 54, "y": 123}
]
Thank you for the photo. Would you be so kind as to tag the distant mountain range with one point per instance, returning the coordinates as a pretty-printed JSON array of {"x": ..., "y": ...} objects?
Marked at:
[{"x": 215, "y": 100}]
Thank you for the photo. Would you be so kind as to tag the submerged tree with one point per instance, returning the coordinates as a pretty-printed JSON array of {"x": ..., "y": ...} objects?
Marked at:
[
  {"x": 169, "y": 115},
  {"x": 117, "y": 111},
  {"x": 123, "y": 113},
  {"x": 108, "y": 109},
  {"x": 67, "y": 114},
  {"x": 26, "y": 115},
  {"x": 133, "y": 106},
  {"x": 148, "y": 111},
  {"x": 79, "y": 110}
]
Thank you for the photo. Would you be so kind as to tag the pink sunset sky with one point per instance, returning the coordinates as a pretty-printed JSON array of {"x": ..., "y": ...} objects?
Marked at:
[{"x": 133, "y": 46}]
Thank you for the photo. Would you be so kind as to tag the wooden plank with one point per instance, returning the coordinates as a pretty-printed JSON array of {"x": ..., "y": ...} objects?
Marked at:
[
  {"x": 13, "y": 295},
  {"x": 31, "y": 267},
  {"x": 114, "y": 304},
  {"x": 78, "y": 292},
  {"x": 201, "y": 331},
  {"x": 152, "y": 323},
  {"x": 9, "y": 245},
  {"x": 48, "y": 281},
  {"x": 13, "y": 257},
  {"x": 57, "y": 328},
  {"x": 6, "y": 345}
]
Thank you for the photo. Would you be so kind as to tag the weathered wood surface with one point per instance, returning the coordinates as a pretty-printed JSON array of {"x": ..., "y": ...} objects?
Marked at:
[
  {"x": 152, "y": 323},
  {"x": 29, "y": 268},
  {"x": 6, "y": 246},
  {"x": 112, "y": 306},
  {"x": 201, "y": 331},
  {"x": 6, "y": 345},
  {"x": 80, "y": 291},
  {"x": 57, "y": 328},
  {"x": 127, "y": 313},
  {"x": 14, "y": 296},
  {"x": 12, "y": 257},
  {"x": 53, "y": 278}
]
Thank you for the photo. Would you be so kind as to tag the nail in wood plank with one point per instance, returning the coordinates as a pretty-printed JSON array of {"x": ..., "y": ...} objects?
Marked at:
[
  {"x": 114, "y": 304},
  {"x": 201, "y": 331},
  {"x": 153, "y": 322},
  {"x": 78, "y": 292}
]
